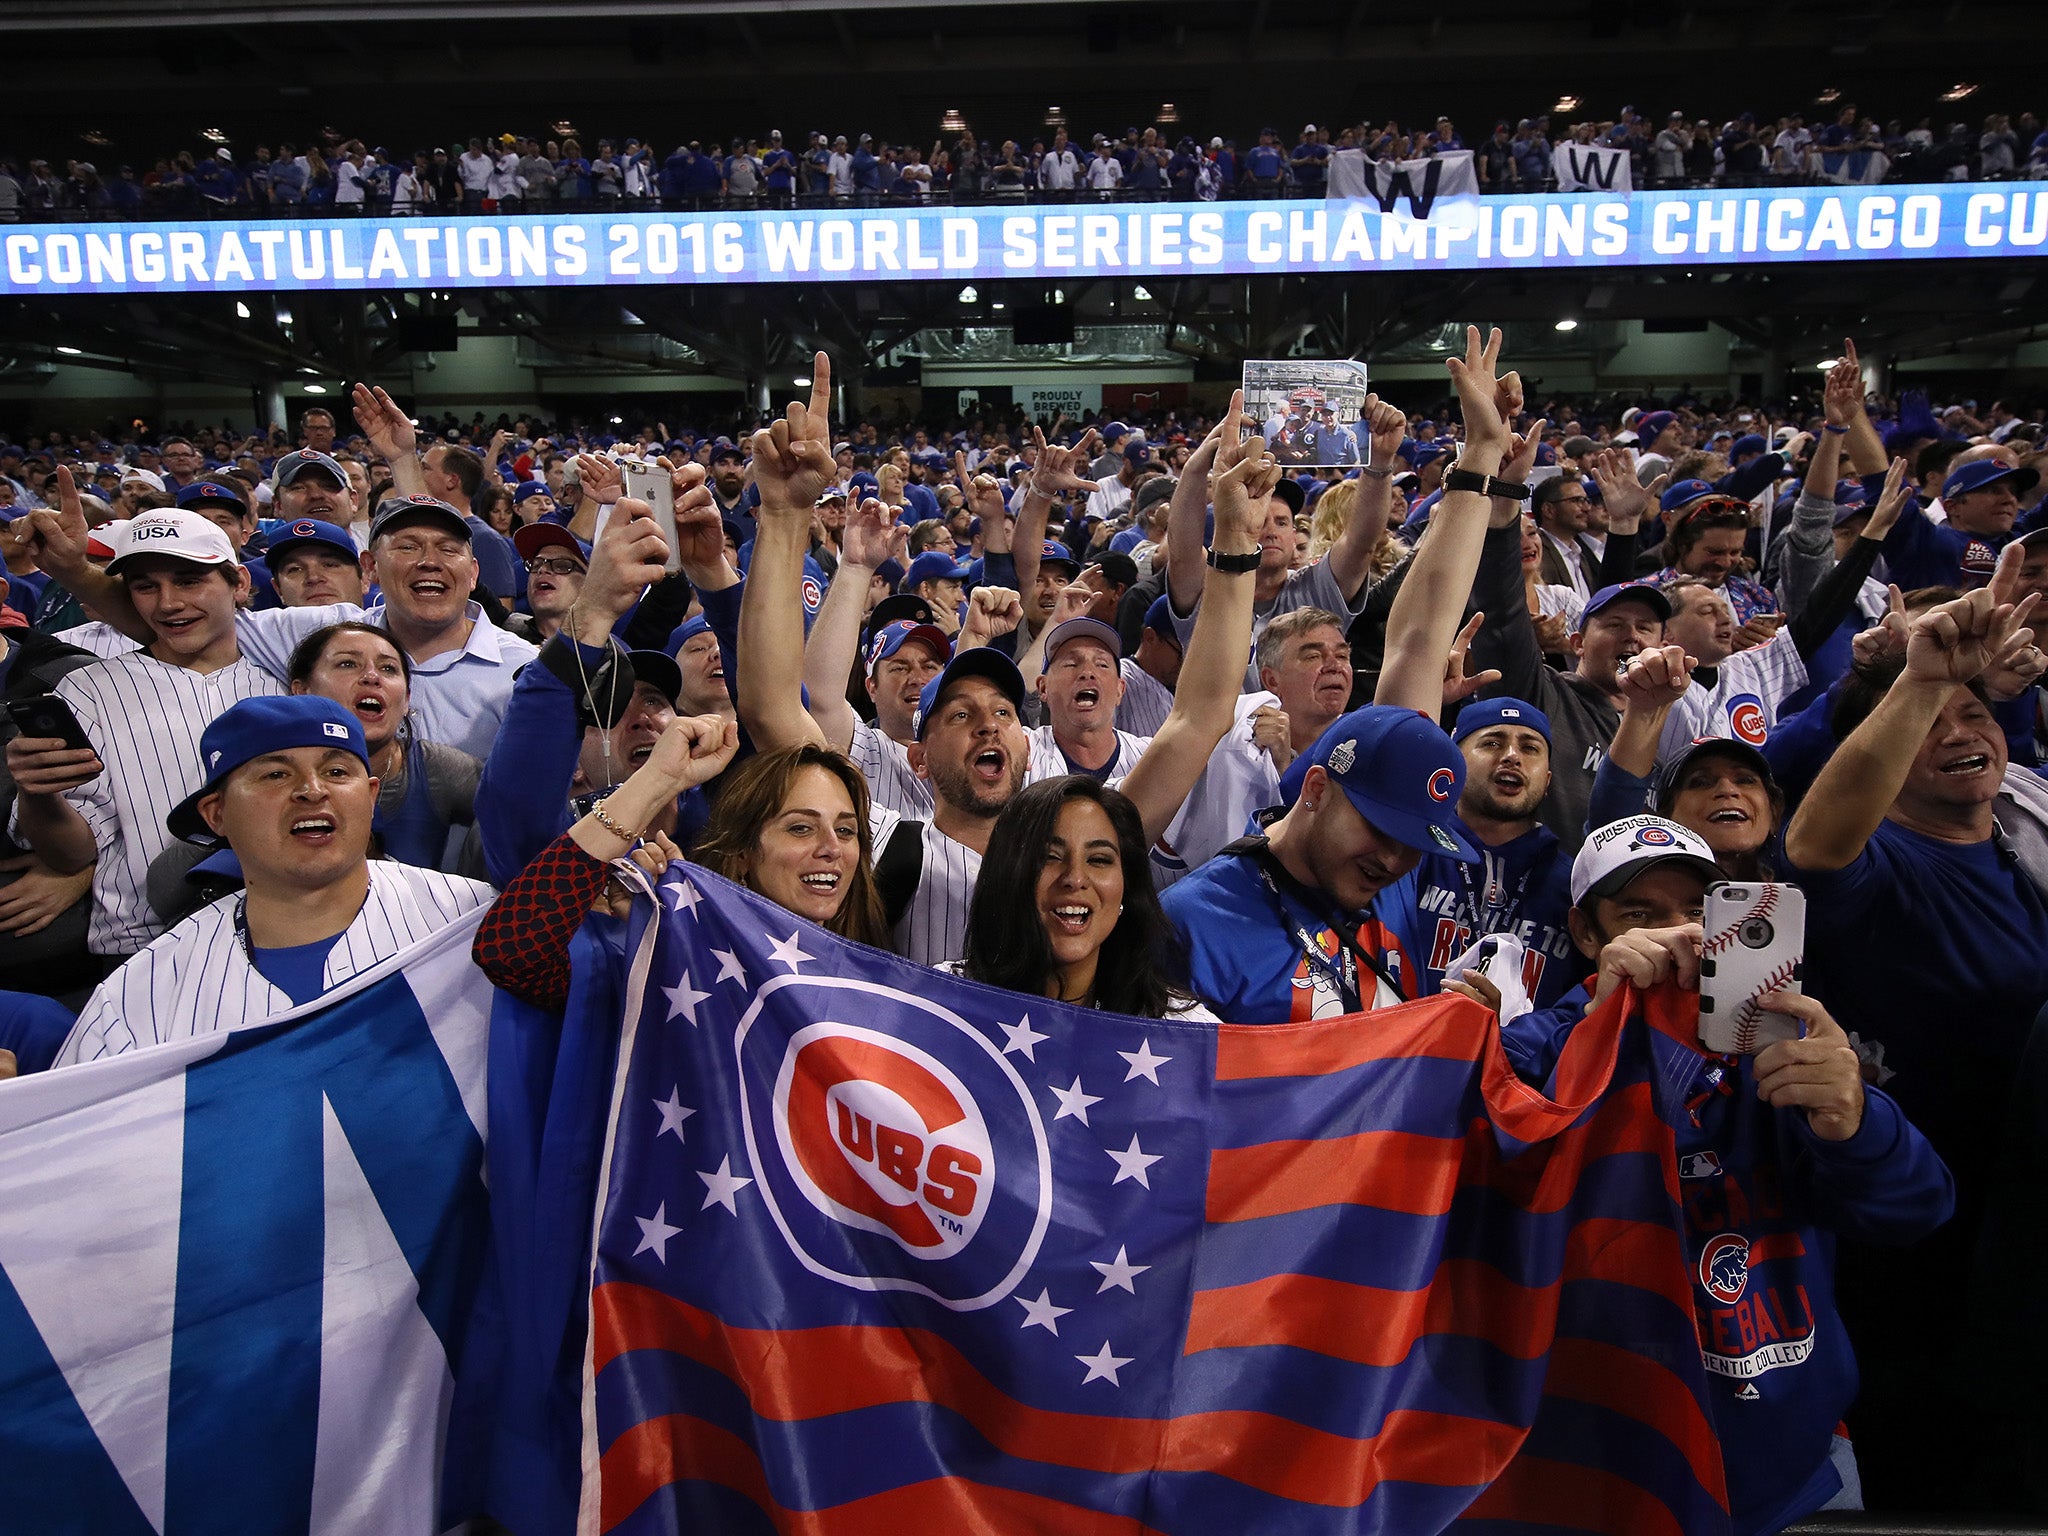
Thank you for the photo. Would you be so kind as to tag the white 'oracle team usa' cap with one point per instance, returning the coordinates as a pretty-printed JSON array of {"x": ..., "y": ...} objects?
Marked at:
[{"x": 171, "y": 535}]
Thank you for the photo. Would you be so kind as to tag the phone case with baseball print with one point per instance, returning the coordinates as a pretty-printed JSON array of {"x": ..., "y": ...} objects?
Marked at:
[{"x": 1755, "y": 943}]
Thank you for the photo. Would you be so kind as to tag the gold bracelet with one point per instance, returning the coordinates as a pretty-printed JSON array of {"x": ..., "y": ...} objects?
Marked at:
[{"x": 612, "y": 826}]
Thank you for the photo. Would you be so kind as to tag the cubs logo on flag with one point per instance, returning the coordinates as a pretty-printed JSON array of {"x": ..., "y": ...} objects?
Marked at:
[{"x": 879, "y": 1248}]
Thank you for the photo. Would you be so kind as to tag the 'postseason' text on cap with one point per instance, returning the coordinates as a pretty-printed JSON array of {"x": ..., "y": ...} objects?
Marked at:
[{"x": 1617, "y": 853}]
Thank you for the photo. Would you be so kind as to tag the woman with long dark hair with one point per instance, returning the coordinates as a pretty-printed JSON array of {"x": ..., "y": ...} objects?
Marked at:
[{"x": 1065, "y": 906}]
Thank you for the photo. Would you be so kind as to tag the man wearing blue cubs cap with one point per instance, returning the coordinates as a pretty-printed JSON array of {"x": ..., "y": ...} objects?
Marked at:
[
  {"x": 941, "y": 581},
  {"x": 1981, "y": 501},
  {"x": 286, "y": 785},
  {"x": 314, "y": 563}
]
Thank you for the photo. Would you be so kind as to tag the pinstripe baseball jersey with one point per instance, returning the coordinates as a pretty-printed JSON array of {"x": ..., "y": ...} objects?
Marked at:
[
  {"x": 1147, "y": 701},
  {"x": 197, "y": 978},
  {"x": 144, "y": 718},
  {"x": 101, "y": 639},
  {"x": 1049, "y": 762},
  {"x": 933, "y": 927},
  {"x": 885, "y": 764}
]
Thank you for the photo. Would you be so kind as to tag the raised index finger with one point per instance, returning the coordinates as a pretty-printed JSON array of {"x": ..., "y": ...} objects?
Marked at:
[{"x": 821, "y": 387}]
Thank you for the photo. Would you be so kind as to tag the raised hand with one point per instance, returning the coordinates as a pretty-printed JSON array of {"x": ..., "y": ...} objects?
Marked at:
[
  {"x": 602, "y": 479},
  {"x": 1242, "y": 486},
  {"x": 388, "y": 428},
  {"x": 1073, "y": 602},
  {"x": 1388, "y": 425},
  {"x": 60, "y": 532},
  {"x": 1962, "y": 639},
  {"x": 984, "y": 496},
  {"x": 1887, "y": 637},
  {"x": 1056, "y": 471},
  {"x": 1657, "y": 678},
  {"x": 1625, "y": 497},
  {"x": 1481, "y": 395},
  {"x": 1890, "y": 503},
  {"x": 1522, "y": 448},
  {"x": 793, "y": 457},
  {"x": 626, "y": 559},
  {"x": 869, "y": 537},
  {"x": 693, "y": 750},
  {"x": 1457, "y": 686},
  {"x": 1842, "y": 395},
  {"x": 991, "y": 611}
]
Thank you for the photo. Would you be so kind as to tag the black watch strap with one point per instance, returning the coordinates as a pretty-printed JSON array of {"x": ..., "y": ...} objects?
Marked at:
[
  {"x": 1485, "y": 485},
  {"x": 1235, "y": 565}
]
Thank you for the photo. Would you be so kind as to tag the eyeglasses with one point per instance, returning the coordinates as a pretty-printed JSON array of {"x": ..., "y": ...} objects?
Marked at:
[{"x": 554, "y": 565}]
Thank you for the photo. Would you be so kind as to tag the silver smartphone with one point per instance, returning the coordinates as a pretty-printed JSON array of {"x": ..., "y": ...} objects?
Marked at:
[
  {"x": 1754, "y": 942},
  {"x": 651, "y": 483}
]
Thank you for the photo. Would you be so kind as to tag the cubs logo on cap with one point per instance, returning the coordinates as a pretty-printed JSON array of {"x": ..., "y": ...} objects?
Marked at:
[
  {"x": 1441, "y": 783},
  {"x": 1652, "y": 837},
  {"x": 1614, "y": 855},
  {"x": 913, "y": 1160}
]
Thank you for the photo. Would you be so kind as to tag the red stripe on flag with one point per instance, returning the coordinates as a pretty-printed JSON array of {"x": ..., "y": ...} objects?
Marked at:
[
  {"x": 1535, "y": 1491},
  {"x": 808, "y": 1373},
  {"x": 1393, "y": 1170},
  {"x": 651, "y": 1455},
  {"x": 1641, "y": 1389},
  {"x": 1369, "y": 1325},
  {"x": 1447, "y": 1027},
  {"x": 1309, "y": 1466}
]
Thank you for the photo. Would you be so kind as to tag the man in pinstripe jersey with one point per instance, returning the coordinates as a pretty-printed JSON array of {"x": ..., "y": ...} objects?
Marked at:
[{"x": 286, "y": 784}]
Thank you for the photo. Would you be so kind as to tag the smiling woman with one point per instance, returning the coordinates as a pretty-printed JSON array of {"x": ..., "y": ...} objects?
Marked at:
[{"x": 1073, "y": 854}]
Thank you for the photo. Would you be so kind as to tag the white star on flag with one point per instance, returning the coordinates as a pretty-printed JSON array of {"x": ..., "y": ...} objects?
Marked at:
[
  {"x": 1143, "y": 1063},
  {"x": 787, "y": 952},
  {"x": 729, "y": 968},
  {"x": 685, "y": 896},
  {"x": 1020, "y": 1036},
  {"x": 673, "y": 1113},
  {"x": 655, "y": 1232},
  {"x": 683, "y": 1000},
  {"x": 1119, "y": 1273},
  {"x": 1074, "y": 1102},
  {"x": 1041, "y": 1313},
  {"x": 1103, "y": 1366},
  {"x": 721, "y": 1187},
  {"x": 1132, "y": 1162}
]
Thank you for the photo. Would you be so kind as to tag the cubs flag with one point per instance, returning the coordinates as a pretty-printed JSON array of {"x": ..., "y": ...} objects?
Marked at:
[
  {"x": 883, "y": 1250},
  {"x": 1592, "y": 168},
  {"x": 235, "y": 1270},
  {"x": 1420, "y": 184}
]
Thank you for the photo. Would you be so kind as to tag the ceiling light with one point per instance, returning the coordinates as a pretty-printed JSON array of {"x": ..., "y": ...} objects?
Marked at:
[
  {"x": 1958, "y": 91},
  {"x": 1142, "y": 294},
  {"x": 241, "y": 310},
  {"x": 1828, "y": 97},
  {"x": 316, "y": 389},
  {"x": 71, "y": 351},
  {"x": 284, "y": 314},
  {"x": 1567, "y": 325},
  {"x": 1055, "y": 118},
  {"x": 564, "y": 128},
  {"x": 618, "y": 421},
  {"x": 953, "y": 122},
  {"x": 96, "y": 137},
  {"x": 1059, "y": 295},
  {"x": 804, "y": 381},
  {"x": 1168, "y": 113},
  {"x": 998, "y": 305},
  {"x": 1566, "y": 104},
  {"x": 1827, "y": 364},
  {"x": 214, "y": 135},
  {"x": 313, "y": 371},
  {"x": 968, "y": 295}
]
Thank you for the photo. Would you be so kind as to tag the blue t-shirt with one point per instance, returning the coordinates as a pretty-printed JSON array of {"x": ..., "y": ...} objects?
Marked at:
[
  {"x": 299, "y": 971},
  {"x": 1264, "y": 161},
  {"x": 1940, "y": 952},
  {"x": 34, "y": 1028},
  {"x": 1246, "y": 956},
  {"x": 1522, "y": 888}
]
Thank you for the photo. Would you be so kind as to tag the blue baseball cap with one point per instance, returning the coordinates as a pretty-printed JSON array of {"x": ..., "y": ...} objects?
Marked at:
[
  {"x": 1399, "y": 770},
  {"x": 1425, "y": 454},
  {"x": 1748, "y": 443},
  {"x": 1645, "y": 591},
  {"x": 1484, "y": 714},
  {"x": 310, "y": 530},
  {"x": 395, "y": 512},
  {"x": 1684, "y": 494},
  {"x": 294, "y": 464},
  {"x": 685, "y": 632},
  {"x": 250, "y": 729},
  {"x": 891, "y": 572},
  {"x": 530, "y": 489},
  {"x": 1114, "y": 433},
  {"x": 977, "y": 661},
  {"x": 934, "y": 565},
  {"x": 1052, "y": 552},
  {"x": 724, "y": 447},
  {"x": 1159, "y": 619},
  {"x": 211, "y": 493},
  {"x": 1974, "y": 477},
  {"x": 1652, "y": 423},
  {"x": 892, "y": 637}
]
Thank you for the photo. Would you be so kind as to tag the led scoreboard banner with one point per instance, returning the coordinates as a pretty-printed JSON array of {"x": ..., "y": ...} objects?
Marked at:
[{"x": 1048, "y": 240}]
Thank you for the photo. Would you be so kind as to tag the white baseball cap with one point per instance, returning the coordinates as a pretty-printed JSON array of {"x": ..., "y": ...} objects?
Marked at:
[
  {"x": 1618, "y": 852},
  {"x": 175, "y": 536},
  {"x": 148, "y": 477}
]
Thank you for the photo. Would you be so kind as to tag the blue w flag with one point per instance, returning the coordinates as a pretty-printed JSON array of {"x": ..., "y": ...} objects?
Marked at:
[
  {"x": 236, "y": 1271},
  {"x": 882, "y": 1250}
]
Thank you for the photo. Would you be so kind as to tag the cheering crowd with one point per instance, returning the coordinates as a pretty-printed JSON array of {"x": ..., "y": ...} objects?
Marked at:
[
  {"x": 1178, "y": 728},
  {"x": 510, "y": 173}
]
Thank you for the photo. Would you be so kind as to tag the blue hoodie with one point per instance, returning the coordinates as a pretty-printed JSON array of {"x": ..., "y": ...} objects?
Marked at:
[{"x": 1764, "y": 1200}]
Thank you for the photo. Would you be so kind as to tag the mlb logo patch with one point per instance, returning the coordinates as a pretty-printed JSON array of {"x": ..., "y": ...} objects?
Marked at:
[{"x": 330, "y": 728}]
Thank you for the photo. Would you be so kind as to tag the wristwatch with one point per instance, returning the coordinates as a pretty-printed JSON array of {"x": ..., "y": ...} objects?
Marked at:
[
  {"x": 1235, "y": 565},
  {"x": 1485, "y": 485}
]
